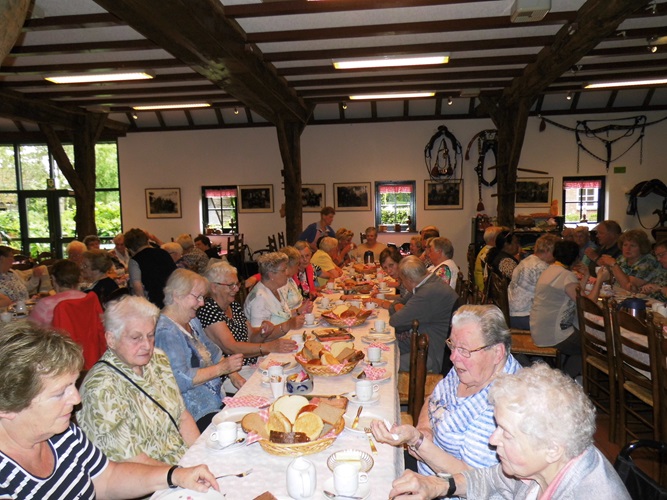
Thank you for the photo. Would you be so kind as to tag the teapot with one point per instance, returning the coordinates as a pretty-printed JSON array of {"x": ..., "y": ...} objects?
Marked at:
[
  {"x": 634, "y": 306},
  {"x": 301, "y": 479},
  {"x": 369, "y": 257}
]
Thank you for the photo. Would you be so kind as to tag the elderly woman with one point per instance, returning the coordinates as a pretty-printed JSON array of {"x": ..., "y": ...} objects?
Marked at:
[
  {"x": 175, "y": 251},
  {"x": 324, "y": 258},
  {"x": 502, "y": 258},
  {"x": 291, "y": 293},
  {"x": 307, "y": 273},
  {"x": 43, "y": 454},
  {"x": 635, "y": 266},
  {"x": 94, "y": 269},
  {"x": 195, "y": 259},
  {"x": 226, "y": 324},
  {"x": 657, "y": 288},
  {"x": 416, "y": 248},
  {"x": 118, "y": 414},
  {"x": 441, "y": 252},
  {"x": 66, "y": 276},
  {"x": 150, "y": 267},
  {"x": 265, "y": 302},
  {"x": 12, "y": 287},
  {"x": 389, "y": 260},
  {"x": 197, "y": 362},
  {"x": 345, "y": 245},
  {"x": 544, "y": 440},
  {"x": 524, "y": 279},
  {"x": 455, "y": 424}
]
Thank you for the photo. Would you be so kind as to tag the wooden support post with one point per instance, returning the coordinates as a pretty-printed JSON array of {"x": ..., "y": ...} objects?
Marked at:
[{"x": 289, "y": 142}]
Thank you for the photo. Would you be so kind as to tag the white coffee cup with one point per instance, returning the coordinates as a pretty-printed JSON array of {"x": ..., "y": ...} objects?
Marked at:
[
  {"x": 273, "y": 371},
  {"x": 6, "y": 316},
  {"x": 374, "y": 354},
  {"x": 20, "y": 307},
  {"x": 325, "y": 302},
  {"x": 379, "y": 325},
  {"x": 380, "y": 296},
  {"x": 225, "y": 433},
  {"x": 365, "y": 389},
  {"x": 298, "y": 339},
  {"x": 310, "y": 318},
  {"x": 347, "y": 478},
  {"x": 301, "y": 479},
  {"x": 383, "y": 285},
  {"x": 371, "y": 305},
  {"x": 331, "y": 285},
  {"x": 355, "y": 303}
]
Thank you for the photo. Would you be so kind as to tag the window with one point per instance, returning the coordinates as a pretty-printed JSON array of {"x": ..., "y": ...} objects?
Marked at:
[
  {"x": 395, "y": 204},
  {"x": 219, "y": 209},
  {"x": 583, "y": 200},
  {"x": 36, "y": 206}
]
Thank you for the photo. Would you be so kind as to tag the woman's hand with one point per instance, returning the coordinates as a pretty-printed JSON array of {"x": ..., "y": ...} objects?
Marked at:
[
  {"x": 413, "y": 486},
  {"x": 231, "y": 364},
  {"x": 305, "y": 307},
  {"x": 604, "y": 274},
  {"x": 406, "y": 433},
  {"x": 296, "y": 322},
  {"x": 281, "y": 345},
  {"x": 606, "y": 260},
  {"x": 650, "y": 288},
  {"x": 237, "y": 380},
  {"x": 197, "y": 478},
  {"x": 266, "y": 328}
]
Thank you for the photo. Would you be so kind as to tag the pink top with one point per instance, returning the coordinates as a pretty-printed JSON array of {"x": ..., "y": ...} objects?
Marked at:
[{"x": 42, "y": 313}]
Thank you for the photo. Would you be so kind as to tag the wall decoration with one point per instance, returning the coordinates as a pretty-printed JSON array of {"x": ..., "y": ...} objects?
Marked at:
[
  {"x": 443, "y": 195},
  {"x": 352, "y": 197},
  {"x": 313, "y": 197},
  {"x": 256, "y": 198},
  {"x": 163, "y": 203},
  {"x": 534, "y": 191}
]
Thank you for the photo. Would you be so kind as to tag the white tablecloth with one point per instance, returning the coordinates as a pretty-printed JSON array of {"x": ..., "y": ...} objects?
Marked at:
[{"x": 269, "y": 471}]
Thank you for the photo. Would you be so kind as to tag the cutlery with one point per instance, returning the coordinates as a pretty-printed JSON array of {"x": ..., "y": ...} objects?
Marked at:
[
  {"x": 239, "y": 440},
  {"x": 355, "y": 423},
  {"x": 240, "y": 474},
  {"x": 304, "y": 336},
  {"x": 334, "y": 495},
  {"x": 370, "y": 440}
]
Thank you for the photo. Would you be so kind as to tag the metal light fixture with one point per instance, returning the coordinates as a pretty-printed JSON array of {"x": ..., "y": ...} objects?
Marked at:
[
  {"x": 569, "y": 96},
  {"x": 391, "y": 61},
  {"x": 236, "y": 110},
  {"x": 101, "y": 77},
  {"x": 172, "y": 106},
  {"x": 450, "y": 101},
  {"x": 343, "y": 105},
  {"x": 135, "y": 116},
  {"x": 401, "y": 95}
]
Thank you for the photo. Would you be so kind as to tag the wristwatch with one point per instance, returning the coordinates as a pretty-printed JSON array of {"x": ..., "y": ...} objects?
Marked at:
[{"x": 452, "y": 484}]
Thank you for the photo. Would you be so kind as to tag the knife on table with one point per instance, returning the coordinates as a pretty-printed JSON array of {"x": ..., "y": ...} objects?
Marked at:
[{"x": 355, "y": 422}]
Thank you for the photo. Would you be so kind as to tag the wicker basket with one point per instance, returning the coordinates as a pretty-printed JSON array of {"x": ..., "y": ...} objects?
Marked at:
[
  {"x": 325, "y": 370},
  {"x": 299, "y": 449}
]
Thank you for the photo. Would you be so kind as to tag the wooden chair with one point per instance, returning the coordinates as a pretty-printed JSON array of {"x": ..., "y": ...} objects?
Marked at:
[
  {"x": 46, "y": 259},
  {"x": 597, "y": 358},
  {"x": 22, "y": 262},
  {"x": 235, "y": 253},
  {"x": 281, "y": 239},
  {"x": 635, "y": 353},
  {"x": 362, "y": 237},
  {"x": 522, "y": 341},
  {"x": 472, "y": 292},
  {"x": 273, "y": 245},
  {"x": 417, "y": 381}
]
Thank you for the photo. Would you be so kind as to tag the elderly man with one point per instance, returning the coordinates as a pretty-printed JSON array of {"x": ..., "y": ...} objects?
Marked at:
[
  {"x": 75, "y": 250},
  {"x": 372, "y": 244},
  {"x": 317, "y": 230},
  {"x": 582, "y": 237},
  {"x": 324, "y": 258},
  {"x": 203, "y": 242},
  {"x": 431, "y": 302},
  {"x": 441, "y": 252},
  {"x": 608, "y": 232}
]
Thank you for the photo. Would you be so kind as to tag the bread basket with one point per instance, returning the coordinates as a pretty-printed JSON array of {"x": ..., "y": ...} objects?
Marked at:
[
  {"x": 326, "y": 370},
  {"x": 299, "y": 449},
  {"x": 335, "y": 320}
]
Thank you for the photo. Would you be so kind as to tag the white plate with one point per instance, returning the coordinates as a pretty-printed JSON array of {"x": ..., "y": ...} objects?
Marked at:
[
  {"x": 374, "y": 399},
  {"x": 363, "y": 491},
  {"x": 233, "y": 414},
  {"x": 180, "y": 494},
  {"x": 383, "y": 332},
  {"x": 384, "y": 378},
  {"x": 287, "y": 365},
  {"x": 364, "y": 420},
  {"x": 382, "y": 362},
  {"x": 387, "y": 338}
]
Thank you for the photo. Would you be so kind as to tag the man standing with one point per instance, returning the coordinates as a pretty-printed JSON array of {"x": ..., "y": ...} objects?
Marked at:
[
  {"x": 315, "y": 231},
  {"x": 431, "y": 302}
]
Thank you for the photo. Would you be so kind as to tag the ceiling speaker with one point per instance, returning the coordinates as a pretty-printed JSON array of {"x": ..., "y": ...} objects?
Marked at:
[{"x": 526, "y": 11}]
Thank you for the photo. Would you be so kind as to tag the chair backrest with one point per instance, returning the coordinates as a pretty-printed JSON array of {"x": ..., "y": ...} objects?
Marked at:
[
  {"x": 632, "y": 349},
  {"x": 596, "y": 331},
  {"x": 496, "y": 287},
  {"x": 418, "y": 358},
  {"x": 82, "y": 320},
  {"x": 273, "y": 245},
  {"x": 22, "y": 262},
  {"x": 281, "y": 239},
  {"x": 661, "y": 369},
  {"x": 362, "y": 237}
]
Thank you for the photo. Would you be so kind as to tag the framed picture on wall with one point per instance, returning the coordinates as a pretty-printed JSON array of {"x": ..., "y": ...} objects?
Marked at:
[
  {"x": 534, "y": 191},
  {"x": 163, "y": 203},
  {"x": 313, "y": 197},
  {"x": 443, "y": 195},
  {"x": 256, "y": 198},
  {"x": 352, "y": 196}
]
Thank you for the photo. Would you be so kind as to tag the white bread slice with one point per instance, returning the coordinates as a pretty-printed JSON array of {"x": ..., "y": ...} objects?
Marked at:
[
  {"x": 338, "y": 310},
  {"x": 278, "y": 422},
  {"x": 310, "y": 424},
  {"x": 290, "y": 406},
  {"x": 328, "y": 359},
  {"x": 338, "y": 347}
]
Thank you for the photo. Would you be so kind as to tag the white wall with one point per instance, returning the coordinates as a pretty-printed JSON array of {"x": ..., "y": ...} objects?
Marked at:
[{"x": 364, "y": 153}]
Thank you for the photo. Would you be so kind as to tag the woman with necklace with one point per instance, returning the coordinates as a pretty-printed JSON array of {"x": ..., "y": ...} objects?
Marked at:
[{"x": 197, "y": 362}]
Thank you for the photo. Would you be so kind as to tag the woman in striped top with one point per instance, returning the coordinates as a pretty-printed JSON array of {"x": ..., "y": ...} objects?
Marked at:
[{"x": 43, "y": 454}]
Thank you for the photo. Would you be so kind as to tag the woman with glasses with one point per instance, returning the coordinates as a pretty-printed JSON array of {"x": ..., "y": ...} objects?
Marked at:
[
  {"x": 455, "y": 424},
  {"x": 197, "y": 362},
  {"x": 267, "y": 302},
  {"x": 657, "y": 288},
  {"x": 226, "y": 324}
]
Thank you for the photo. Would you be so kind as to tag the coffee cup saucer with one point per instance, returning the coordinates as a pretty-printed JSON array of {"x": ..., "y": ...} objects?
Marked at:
[
  {"x": 363, "y": 490},
  {"x": 374, "y": 331},
  {"x": 355, "y": 400},
  {"x": 382, "y": 362}
]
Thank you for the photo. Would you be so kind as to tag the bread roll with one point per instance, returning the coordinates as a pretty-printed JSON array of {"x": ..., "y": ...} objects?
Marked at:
[
  {"x": 278, "y": 422},
  {"x": 310, "y": 424},
  {"x": 252, "y": 422}
]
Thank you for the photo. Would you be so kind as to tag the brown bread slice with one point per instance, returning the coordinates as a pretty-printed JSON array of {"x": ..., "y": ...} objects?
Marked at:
[
  {"x": 252, "y": 422},
  {"x": 329, "y": 414},
  {"x": 288, "y": 437}
]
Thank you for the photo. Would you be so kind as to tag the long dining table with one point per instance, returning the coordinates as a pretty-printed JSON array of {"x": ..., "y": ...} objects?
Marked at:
[{"x": 269, "y": 471}]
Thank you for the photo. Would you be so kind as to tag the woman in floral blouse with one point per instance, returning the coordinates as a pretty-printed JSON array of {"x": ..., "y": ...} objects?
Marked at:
[
  {"x": 635, "y": 266},
  {"x": 12, "y": 287}
]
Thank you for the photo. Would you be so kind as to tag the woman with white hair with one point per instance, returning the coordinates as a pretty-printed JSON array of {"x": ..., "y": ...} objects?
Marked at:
[
  {"x": 175, "y": 251},
  {"x": 197, "y": 362},
  {"x": 324, "y": 259},
  {"x": 132, "y": 408},
  {"x": 544, "y": 440},
  {"x": 194, "y": 258},
  {"x": 441, "y": 252}
]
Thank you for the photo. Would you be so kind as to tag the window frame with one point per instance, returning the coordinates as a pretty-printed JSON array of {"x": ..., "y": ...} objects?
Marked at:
[
  {"x": 232, "y": 229},
  {"x": 390, "y": 227},
  {"x": 601, "y": 202}
]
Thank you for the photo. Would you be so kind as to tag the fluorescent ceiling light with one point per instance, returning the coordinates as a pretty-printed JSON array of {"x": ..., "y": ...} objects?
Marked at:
[
  {"x": 101, "y": 77},
  {"x": 391, "y": 61},
  {"x": 172, "y": 106},
  {"x": 400, "y": 95},
  {"x": 628, "y": 83}
]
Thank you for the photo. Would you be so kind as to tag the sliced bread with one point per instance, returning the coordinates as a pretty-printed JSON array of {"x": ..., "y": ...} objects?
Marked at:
[
  {"x": 290, "y": 406},
  {"x": 310, "y": 424},
  {"x": 252, "y": 422},
  {"x": 329, "y": 414}
]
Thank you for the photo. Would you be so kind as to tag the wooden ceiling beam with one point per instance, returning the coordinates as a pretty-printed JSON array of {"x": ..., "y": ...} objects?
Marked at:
[
  {"x": 82, "y": 48},
  {"x": 214, "y": 46},
  {"x": 90, "y": 67},
  {"x": 103, "y": 20}
]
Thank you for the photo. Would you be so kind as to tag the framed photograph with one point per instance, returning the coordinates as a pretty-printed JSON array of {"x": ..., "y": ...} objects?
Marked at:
[
  {"x": 534, "y": 191},
  {"x": 163, "y": 203},
  {"x": 313, "y": 197},
  {"x": 443, "y": 195},
  {"x": 352, "y": 197},
  {"x": 256, "y": 198}
]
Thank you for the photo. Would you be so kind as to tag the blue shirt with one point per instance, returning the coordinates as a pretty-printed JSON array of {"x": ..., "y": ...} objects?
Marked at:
[{"x": 312, "y": 233}]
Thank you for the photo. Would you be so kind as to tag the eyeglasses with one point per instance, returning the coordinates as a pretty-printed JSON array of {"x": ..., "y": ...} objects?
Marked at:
[
  {"x": 463, "y": 351},
  {"x": 230, "y": 285},
  {"x": 200, "y": 298},
  {"x": 660, "y": 255}
]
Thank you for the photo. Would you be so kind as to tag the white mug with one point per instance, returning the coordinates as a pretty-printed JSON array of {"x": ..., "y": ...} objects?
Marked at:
[
  {"x": 20, "y": 307},
  {"x": 365, "y": 389},
  {"x": 301, "y": 479},
  {"x": 331, "y": 285},
  {"x": 6, "y": 316},
  {"x": 298, "y": 339},
  {"x": 384, "y": 286},
  {"x": 273, "y": 371},
  {"x": 371, "y": 305},
  {"x": 379, "y": 325},
  {"x": 355, "y": 303},
  {"x": 347, "y": 478},
  {"x": 374, "y": 354},
  {"x": 380, "y": 296},
  {"x": 225, "y": 433},
  {"x": 325, "y": 302},
  {"x": 310, "y": 318}
]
